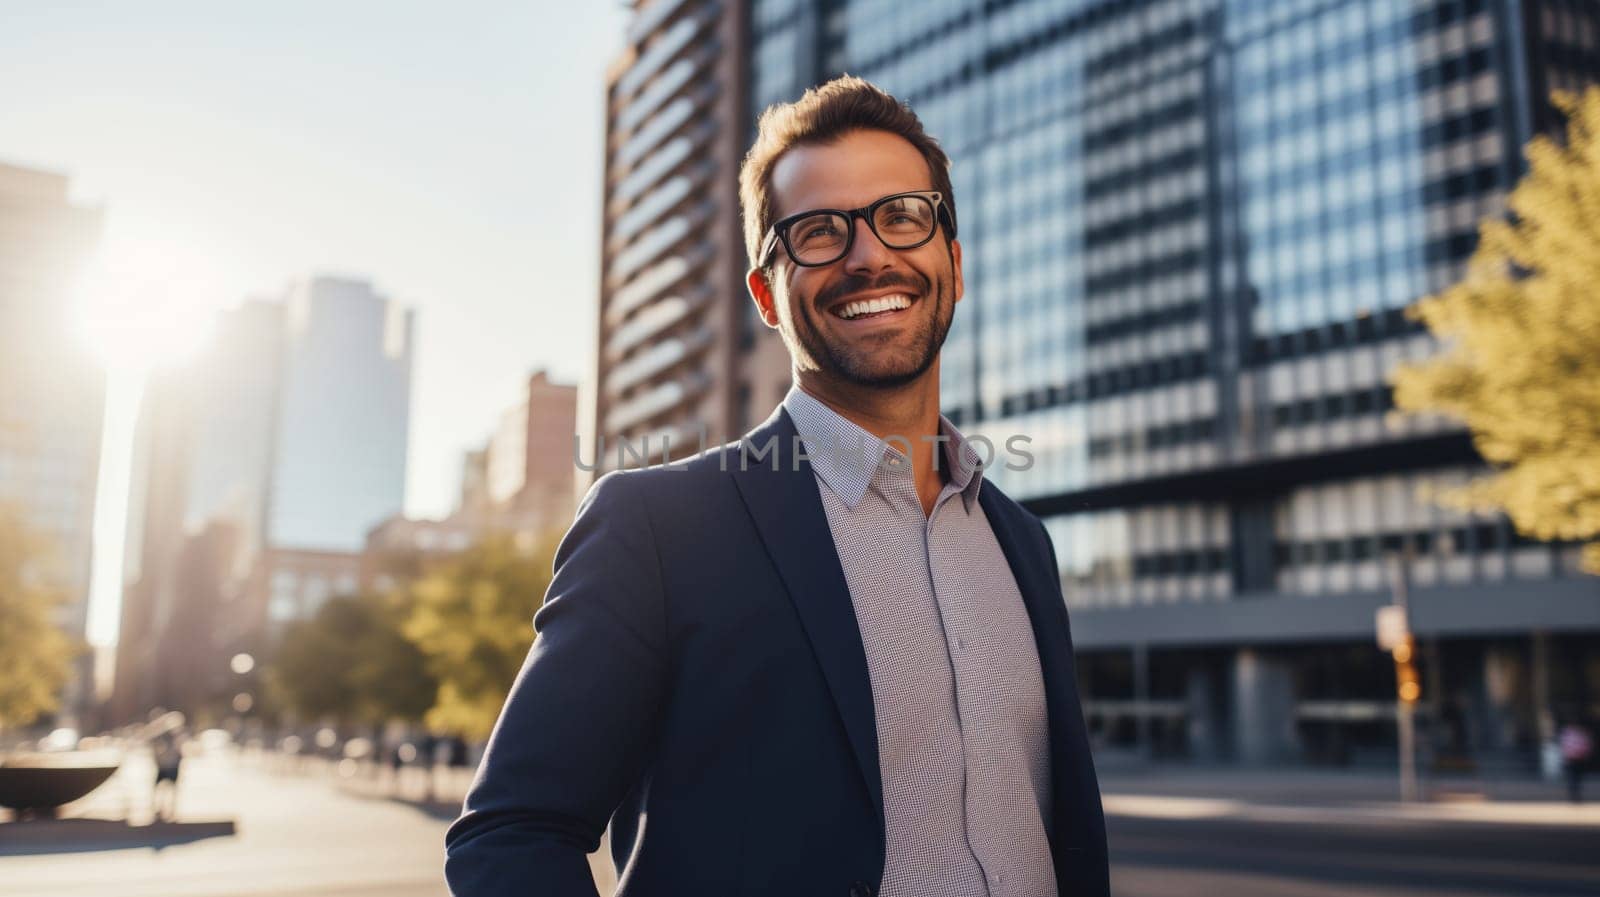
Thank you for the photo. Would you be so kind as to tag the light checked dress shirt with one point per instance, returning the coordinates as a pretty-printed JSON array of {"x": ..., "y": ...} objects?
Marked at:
[{"x": 963, "y": 742}]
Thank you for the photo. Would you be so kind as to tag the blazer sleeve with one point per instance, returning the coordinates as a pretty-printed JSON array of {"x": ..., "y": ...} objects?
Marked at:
[{"x": 581, "y": 719}]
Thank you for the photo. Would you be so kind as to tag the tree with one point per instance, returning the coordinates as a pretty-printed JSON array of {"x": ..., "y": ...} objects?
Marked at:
[
  {"x": 391, "y": 678},
  {"x": 35, "y": 655},
  {"x": 351, "y": 662},
  {"x": 472, "y": 616},
  {"x": 310, "y": 671},
  {"x": 1521, "y": 365}
]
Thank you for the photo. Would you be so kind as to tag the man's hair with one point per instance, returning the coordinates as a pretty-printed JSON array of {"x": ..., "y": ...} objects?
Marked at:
[{"x": 821, "y": 116}]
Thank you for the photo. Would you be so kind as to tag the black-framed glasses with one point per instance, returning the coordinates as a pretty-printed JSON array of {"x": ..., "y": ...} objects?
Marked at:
[{"x": 823, "y": 236}]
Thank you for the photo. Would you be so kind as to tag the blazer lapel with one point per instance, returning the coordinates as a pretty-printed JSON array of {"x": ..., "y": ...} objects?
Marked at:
[
  {"x": 1041, "y": 594},
  {"x": 789, "y": 516}
]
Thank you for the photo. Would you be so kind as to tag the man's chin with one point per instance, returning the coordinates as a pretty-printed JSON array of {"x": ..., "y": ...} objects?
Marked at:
[{"x": 884, "y": 373}]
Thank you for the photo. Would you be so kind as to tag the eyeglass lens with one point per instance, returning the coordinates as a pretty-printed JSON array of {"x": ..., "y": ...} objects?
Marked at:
[{"x": 901, "y": 223}]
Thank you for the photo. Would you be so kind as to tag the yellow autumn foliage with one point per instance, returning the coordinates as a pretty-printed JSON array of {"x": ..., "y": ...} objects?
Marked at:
[
  {"x": 472, "y": 618},
  {"x": 1520, "y": 364},
  {"x": 35, "y": 653}
]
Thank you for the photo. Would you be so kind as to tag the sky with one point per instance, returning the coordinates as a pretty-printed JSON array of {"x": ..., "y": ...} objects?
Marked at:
[{"x": 450, "y": 153}]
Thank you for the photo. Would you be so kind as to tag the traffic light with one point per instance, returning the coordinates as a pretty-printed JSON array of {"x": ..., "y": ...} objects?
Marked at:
[{"x": 1408, "y": 685}]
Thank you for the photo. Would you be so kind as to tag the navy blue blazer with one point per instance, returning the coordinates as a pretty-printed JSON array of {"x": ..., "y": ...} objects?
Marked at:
[{"x": 700, "y": 683}]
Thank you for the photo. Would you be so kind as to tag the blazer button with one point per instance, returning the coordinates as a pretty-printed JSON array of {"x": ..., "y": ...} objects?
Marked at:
[{"x": 861, "y": 889}]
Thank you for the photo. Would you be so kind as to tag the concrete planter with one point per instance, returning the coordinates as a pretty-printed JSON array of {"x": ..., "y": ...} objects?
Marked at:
[{"x": 40, "y": 783}]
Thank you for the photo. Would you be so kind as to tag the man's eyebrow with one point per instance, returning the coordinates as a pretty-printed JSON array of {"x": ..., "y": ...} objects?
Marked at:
[{"x": 861, "y": 205}]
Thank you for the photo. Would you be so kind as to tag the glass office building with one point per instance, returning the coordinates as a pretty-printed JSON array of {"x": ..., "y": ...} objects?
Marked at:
[{"x": 1191, "y": 228}]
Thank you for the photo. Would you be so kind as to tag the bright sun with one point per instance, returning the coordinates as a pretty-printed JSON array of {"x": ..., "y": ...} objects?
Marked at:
[{"x": 147, "y": 304}]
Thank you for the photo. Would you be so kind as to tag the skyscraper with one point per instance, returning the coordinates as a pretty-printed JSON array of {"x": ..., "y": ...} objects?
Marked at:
[
  {"x": 677, "y": 360},
  {"x": 343, "y": 416},
  {"x": 1191, "y": 228},
  {"x": 257, "y": 472},
  {"x": 202, "y": 457},
  {"x": 235, "y": 391},
  {"x": 52, "y": 394}
]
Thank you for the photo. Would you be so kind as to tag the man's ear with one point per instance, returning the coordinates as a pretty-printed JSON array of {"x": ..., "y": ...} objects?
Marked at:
[{"x": 761, "y": 292}]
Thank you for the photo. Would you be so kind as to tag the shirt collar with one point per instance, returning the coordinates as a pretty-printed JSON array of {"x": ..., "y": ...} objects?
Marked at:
[{"x": 847, "y": 457}]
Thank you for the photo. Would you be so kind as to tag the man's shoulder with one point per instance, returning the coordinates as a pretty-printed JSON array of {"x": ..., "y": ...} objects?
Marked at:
[
  {"x": 710, "y": 469},
  {"x": 698, "y": 476}
]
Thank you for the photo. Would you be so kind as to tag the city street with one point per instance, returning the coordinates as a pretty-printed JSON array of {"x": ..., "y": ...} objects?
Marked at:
[{"x": 1293, "y": 835}]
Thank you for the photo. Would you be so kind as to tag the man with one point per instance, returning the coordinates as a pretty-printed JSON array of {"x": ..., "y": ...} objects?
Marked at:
[{"x": 829, "y": 659}]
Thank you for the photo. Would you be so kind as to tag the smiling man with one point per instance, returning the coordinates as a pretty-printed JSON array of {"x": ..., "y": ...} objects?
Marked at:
[{"x": 829, "y": 659}]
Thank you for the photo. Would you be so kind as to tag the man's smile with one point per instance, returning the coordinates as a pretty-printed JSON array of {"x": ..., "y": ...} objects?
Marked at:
[{"x": 884, "y": 306}]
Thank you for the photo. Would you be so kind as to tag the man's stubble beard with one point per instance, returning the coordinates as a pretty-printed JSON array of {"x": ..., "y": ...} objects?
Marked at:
[{"x": 855, "y": 365}]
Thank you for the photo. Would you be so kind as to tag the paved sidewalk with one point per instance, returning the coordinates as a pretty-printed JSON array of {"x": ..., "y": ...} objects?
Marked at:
[
  {"x": 438, "y": 792},
  {"x": 293, "y": 837}
]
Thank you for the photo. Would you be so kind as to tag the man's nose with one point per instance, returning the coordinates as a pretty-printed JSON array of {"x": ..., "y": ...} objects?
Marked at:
[{"x": 867, "y": 252}]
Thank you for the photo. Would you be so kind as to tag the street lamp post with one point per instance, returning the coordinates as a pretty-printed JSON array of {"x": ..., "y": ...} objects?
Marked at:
[
  {"x": 241, "y": 664},
  {"x": 1394, "y": 636}
]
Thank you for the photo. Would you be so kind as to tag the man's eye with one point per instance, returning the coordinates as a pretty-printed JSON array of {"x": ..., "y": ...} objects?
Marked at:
[{"x": 818, "y": 232}]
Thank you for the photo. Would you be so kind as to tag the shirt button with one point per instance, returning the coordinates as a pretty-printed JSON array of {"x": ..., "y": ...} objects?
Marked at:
[
  {"x": 961, "y": 644},
  {"x": 994, "y": 878}
]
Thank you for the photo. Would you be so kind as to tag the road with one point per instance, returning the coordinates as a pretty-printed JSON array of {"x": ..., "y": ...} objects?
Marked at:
[
  {"x": 1154, "y": 857},
  {"x": 300, "y": 835}
]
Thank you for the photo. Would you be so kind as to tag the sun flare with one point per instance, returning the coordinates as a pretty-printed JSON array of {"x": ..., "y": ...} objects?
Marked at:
[{"x": 149, "y": 304}]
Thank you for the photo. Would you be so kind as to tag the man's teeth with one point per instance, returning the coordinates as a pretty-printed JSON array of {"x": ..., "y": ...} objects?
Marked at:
[{"x": 872, "y": 306}]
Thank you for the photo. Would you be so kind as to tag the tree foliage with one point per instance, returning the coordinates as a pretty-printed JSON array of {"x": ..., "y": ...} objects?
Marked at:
[
  {"x": 472, "y": 616},
  {"x": 35, "y": 654},
  {"x": 1521, "y": 364},
  {"x": 351, "y": 662}
]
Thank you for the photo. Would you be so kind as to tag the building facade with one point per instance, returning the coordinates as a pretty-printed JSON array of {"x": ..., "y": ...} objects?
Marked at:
[
  {"x": 52, "y": 393},
  {"x": 257, "y": 471},
  {"x": 1191, "y": 228},
  {"x": 519, "y": 487},
  {"x": 677, "y": 362},
  {"x": 529, "y": 458}
]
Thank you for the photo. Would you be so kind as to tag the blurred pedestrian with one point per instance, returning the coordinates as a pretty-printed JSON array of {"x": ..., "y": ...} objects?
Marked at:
[
  {"x": 459, "y": 770},
  {"x": 1576, "y": 746},
  {"x": 458, "y": 752},
  {"x": 168, "y": 751},
  {"x": 397, "y": 763},
  {"x": 427, "y": 752}
]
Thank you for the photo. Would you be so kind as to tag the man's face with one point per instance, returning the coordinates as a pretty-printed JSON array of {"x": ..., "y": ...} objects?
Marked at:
[{"x": 886, "y": 349}]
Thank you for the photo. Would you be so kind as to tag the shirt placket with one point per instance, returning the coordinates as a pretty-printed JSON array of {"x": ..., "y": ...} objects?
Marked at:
[
  {"x": 963, "y": 640},
  {"x": 898, "y": 487}
]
